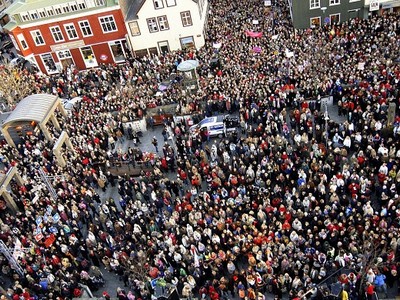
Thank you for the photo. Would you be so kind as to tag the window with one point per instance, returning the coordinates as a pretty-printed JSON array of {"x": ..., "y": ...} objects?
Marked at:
[
  {"x": 57, "y": 34},
  {"x": 99, "y": 2},
  {"x": 134, "y": 26},
  {"x": 64, "y": 54},
  {"x": 85, "y": 28},
  {"x": 65, "y": 8},
  {"x": 48, "y": 63},
  {"x": 73, "y": 6},
  {"x": 50, "y": 11},
  {"x": 81, "y": 4},
  {"x": 187, "y": 42},
  {"x": 108, "y": 24},
  {"x": 117, "y": 50},
  {"x": 186, "y": 18},
  {"x": 141, "y": 53},
  {"x": 25, "y": 16},
  {"x": 315, "y": 22},
  {"x": 152, "y": 23},
  {"x": 37, "y": 37},
  {"x": 163, "y": 23},
  {"x": 88, "y": 57},
  {"x": 71, "y": 31},
  {"x": 164, "y": 47},
  {"x": 153, "y": 50},
  {"x": 158, "y": 4},
  {"x": 334, "y": 2},
  {"x": 42, "y": 13},
  {"x": 335, "y": 18},
  {"x": 22, "y": 41},
  {"x": 171, "y": 3},
  {"x": 315, "y": 4},
  {"x": 34, "y": 15},
  {"x": 57, "y": 10}
]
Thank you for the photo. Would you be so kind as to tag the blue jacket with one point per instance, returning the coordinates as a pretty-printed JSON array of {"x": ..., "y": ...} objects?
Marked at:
[{"x": 380, "y": 280}]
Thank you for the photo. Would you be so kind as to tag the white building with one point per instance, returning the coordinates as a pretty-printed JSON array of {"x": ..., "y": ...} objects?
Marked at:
[{"x": 157, "y": 26}]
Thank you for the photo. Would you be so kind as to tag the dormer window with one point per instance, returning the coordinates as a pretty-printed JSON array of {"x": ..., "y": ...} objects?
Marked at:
[{"x": 158, "y": 4}]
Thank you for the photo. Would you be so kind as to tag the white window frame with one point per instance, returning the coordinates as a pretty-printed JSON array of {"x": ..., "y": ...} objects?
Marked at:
[
  {"x": 55, "y": 34},
  {"x": 163, "y": 23},
  {"x": 318, "y": 17},
  {"x": 89, "y": 63},
  {"x": 135, "y": 30},
  {"x": 73, "y": 6},
  {"x": 170, "y": 3},
  {"x": 154, "y": 23},
  {"x": 85, "y": 24},
  {"x": 185, "y": 18},
  {"x": 64, "y": 54},
  {"x": 114, "y": 43},
  {"x": 34, "y": 15},
  {"x": 330, "y": 17},
  {"x": 45, "y": 66},
  {"x": 69, "y": 28},
  {"x": 354, "y": 1},
  {"x": 102, "y": 21},
  {"x": 65, "y": 8},
  {"x": 99, "y": 2},
  {"x": 25, "y": 16},
  {"x": 22, "y": 41},
  {"x": 158, "y": 4},
  {"x": 314, "y": 4},
  {"x": 36, "y": 34},
  {"x": 57, "y": 9},
  {"x": 50, "y": 11},
  {"x": 334, "y": 2},
  {"x": 81, "y": 4},
  {"x": 42, "y": 13}
]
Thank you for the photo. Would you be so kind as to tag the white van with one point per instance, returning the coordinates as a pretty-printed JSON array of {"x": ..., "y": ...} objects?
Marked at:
[{"x": 216, "y": 125}]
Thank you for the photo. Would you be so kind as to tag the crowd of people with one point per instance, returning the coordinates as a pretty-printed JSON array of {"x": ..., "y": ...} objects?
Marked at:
[{"x": 283, "y": 206}]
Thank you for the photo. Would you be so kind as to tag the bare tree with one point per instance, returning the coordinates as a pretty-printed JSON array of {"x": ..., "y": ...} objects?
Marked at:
[
  {"x": 15, "y": 83},
  {"x": 139, "y": 266}
]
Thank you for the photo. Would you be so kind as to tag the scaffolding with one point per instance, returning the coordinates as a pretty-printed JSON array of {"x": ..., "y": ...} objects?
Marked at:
[{"x": 14, "y": 264}]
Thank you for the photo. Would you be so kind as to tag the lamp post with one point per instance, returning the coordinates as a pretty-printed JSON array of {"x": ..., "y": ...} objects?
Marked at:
[{"x": 326, "y": 117}]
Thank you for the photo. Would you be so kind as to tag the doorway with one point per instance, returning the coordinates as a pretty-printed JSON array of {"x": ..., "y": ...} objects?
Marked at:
[{"x": 163, "y": 46}]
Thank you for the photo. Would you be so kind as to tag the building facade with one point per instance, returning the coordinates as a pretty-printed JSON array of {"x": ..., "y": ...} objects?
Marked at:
[
  {"x": 59, "y": 33},
  {"x": 158, "y": 26},
  {"x": 310, "y": 13},
  {"x": 385, "y": 5}
]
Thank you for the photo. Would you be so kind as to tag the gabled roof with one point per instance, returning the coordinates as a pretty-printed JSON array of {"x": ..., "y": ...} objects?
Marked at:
[
  {"x": 133, "y": 9},
  {"x": 32, "y": 108}
]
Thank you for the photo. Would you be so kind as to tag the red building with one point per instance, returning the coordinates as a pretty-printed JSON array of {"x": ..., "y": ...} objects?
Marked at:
[{"x": 59, "y": 33}]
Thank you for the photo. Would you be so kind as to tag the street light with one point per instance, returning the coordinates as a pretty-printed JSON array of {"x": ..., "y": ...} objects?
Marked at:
[{"x": 326, "y": 117}]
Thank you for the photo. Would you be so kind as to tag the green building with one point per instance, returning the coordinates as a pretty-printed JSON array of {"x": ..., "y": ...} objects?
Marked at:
[{"x": 309, "y": 13}]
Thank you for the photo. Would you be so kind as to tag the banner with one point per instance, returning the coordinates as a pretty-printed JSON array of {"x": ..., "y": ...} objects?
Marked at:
[
  {"x": 374, "y": 5},
  {"x": 253, "y": 34}
]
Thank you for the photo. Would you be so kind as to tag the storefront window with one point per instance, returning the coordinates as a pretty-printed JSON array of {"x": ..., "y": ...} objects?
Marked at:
[
  {"x": 49, "y": 63},
  {"x": 88, "y": 57},
  {"x": 117, "y": 51},
  {"x": 187, "y": 42}
]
